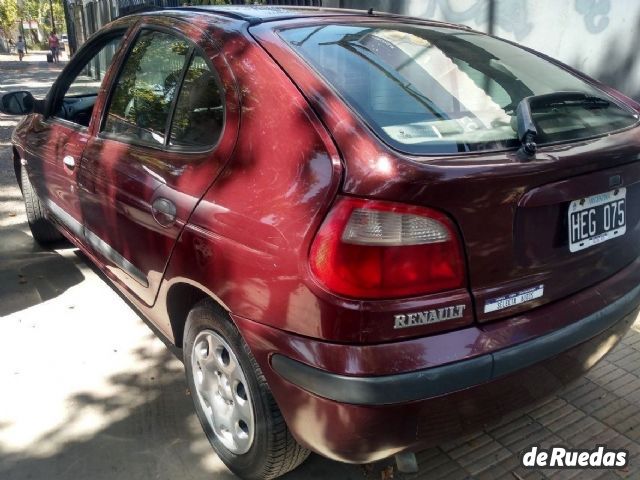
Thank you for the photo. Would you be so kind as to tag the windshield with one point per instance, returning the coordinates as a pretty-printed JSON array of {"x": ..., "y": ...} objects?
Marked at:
[{"x": 429, "y": 90}]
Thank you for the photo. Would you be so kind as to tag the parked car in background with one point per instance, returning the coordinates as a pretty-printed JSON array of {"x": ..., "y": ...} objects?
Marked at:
[{"x": 368, "y": 233}]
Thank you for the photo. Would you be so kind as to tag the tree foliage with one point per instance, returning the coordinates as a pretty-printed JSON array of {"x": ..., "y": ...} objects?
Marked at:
[
  {"x": 8, "y": 16},
  {"x": 40, "y": 11}
]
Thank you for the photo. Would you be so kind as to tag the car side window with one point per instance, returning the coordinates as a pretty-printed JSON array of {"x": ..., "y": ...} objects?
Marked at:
[
  {"x": 199, "y": 113},
  {"x": 143, "y": 94},
  {"x": 78, "y": 94}
]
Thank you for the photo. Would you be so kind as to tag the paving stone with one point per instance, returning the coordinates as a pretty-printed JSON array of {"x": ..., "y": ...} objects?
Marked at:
[
  {"x": 619, "y": 353},
  {"x": 582, "y": 431},
  {"x": 631, "y": 387},
  {"x": 458, "y": 442},
  {"x": 632, "y": 340},
  {"x": 493, "y": 473},
  {"x": 608, "y": 475},
  {"x": 542, "y": 437},
  {"x": 470, "y": 446},
  {"x": 503, "y": 430},
  {"x": 584, "y": 389},
  {"x": 484, "y": 457},
  {"x": 595, "y": 400},
  {"x": 567, "y": 474},
  {"x": 584, "y": 474},
  {"x": 624, "y": 420},
  {"x": 567, "y": 430},
  {"x": 633, "y": 397},
  {"x": 510, "y": 463},
  {"x": 600, "y": 438},
  {"x": 601, "y": 370},
  {"x": 615, "y": 406},
  {"x": 528, "y": 474},
  {"x": 630, "y": 362},
  {"x": 434, "y": 461},
  {"x": 551, "y": 416},
  {"x": 508, "y": 437},
  {"x": 449, "y": 470},
  {"x": 620, "y": 382},
  {"x": 573, "y": 416},
  {"x": 430, "y": 454}
]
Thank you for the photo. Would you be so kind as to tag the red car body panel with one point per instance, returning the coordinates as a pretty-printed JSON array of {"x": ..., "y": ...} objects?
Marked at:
[{"x": 248, "y": 211}]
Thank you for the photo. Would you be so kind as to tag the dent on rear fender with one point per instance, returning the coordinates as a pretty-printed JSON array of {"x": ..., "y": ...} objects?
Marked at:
[{"x": 248, "y": 238}]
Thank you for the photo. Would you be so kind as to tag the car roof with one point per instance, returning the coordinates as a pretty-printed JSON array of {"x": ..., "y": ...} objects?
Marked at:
[
  {"x": 256, "y": 14},
  {"x": 261, "y": 13}
]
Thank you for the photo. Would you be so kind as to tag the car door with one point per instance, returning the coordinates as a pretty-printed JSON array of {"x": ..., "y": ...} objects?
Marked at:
[
  {"x": 58, "y": 138},
  {"x": 167, "y": 130}
]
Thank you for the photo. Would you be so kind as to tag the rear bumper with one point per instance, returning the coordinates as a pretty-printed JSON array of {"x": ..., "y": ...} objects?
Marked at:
[
  {"x": 363, "y": 403},
  {"x": 435, "y": 381}
]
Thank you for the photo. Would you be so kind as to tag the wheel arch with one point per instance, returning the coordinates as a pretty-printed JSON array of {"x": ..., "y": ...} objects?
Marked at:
[{"x": 181, "y": 297}]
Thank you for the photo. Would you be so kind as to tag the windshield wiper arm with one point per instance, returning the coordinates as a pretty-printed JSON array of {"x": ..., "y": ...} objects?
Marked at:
[{"x": 527, "y": 130}]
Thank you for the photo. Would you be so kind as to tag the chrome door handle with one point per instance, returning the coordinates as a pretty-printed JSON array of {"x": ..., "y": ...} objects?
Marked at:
[{"x": 69, "y": 161}]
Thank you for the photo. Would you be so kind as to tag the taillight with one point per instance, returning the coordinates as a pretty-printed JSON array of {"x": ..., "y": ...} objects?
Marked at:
[{"x": 376, "y": 249}]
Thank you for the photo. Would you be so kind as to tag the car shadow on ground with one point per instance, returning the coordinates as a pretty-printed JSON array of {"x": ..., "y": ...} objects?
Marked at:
[
  {"x": 176, "y": 409},
  {"x": 146, "y": 431},
  {"x": 150, "y": 431},
  {"x": 29, "y": 274},
  {"x": 138, "y": 424}
]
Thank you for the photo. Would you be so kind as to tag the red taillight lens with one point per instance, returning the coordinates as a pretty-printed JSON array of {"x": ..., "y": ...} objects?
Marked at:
[{"x": 376, "y": 249}]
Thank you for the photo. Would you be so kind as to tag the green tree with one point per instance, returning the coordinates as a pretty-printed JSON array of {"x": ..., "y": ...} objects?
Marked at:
[
  {"x": 8, "y": 16},
  {"x": 31, "y": 10},
  {"x": 40, "y": 11}
]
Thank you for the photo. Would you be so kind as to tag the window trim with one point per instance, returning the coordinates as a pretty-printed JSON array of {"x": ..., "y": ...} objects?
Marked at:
[{"x": 193, "y": 50}]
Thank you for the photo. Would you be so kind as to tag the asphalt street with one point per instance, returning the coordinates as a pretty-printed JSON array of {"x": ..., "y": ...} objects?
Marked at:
[{"x": 88, "y": 391}]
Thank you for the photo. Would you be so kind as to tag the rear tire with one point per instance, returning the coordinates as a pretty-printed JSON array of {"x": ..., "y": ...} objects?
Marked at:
[
  {"x": 266, "y": 449},
  {"x": 43, "y": 231}
]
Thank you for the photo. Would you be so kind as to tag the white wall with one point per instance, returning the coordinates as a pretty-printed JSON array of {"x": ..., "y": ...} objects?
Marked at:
[{"x": 599, "y": 37}]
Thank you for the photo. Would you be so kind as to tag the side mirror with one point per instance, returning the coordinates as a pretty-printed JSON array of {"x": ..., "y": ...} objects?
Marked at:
[{"x": 18, "y": 103}]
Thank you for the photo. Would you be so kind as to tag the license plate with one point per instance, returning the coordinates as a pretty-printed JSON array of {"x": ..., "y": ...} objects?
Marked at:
[{"x": 596, "y": 219}]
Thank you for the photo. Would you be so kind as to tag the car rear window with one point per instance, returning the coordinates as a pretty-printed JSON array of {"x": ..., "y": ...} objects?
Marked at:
[{"x": 430, "y": 90}]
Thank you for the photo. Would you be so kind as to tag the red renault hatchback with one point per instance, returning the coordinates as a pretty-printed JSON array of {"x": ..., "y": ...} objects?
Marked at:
[{"x": 369, "y": 233}]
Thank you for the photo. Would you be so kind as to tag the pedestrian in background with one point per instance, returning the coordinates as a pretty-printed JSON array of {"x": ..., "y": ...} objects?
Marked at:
[
  {"x": 54, "y": 46},
  {"x": 21, "y": 47}
]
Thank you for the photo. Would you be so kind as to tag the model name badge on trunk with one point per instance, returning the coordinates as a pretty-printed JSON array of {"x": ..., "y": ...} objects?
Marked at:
[
  {"x": 430, "y": 316},
  {"x": 513, "y": 299}
]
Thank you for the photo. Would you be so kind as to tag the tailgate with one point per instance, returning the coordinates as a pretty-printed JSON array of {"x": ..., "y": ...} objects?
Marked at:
[{"x": 562, "y": 232}]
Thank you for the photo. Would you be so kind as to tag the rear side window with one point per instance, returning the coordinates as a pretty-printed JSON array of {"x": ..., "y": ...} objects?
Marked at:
[
  {"x": 428, "y": 90},
  {"x": 144, "y": 92},
  {"x": 199, "y": 113}
]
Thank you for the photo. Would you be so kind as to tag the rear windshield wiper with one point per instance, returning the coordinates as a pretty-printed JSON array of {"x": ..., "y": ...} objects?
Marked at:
[{"x": 527, "y": 130}]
